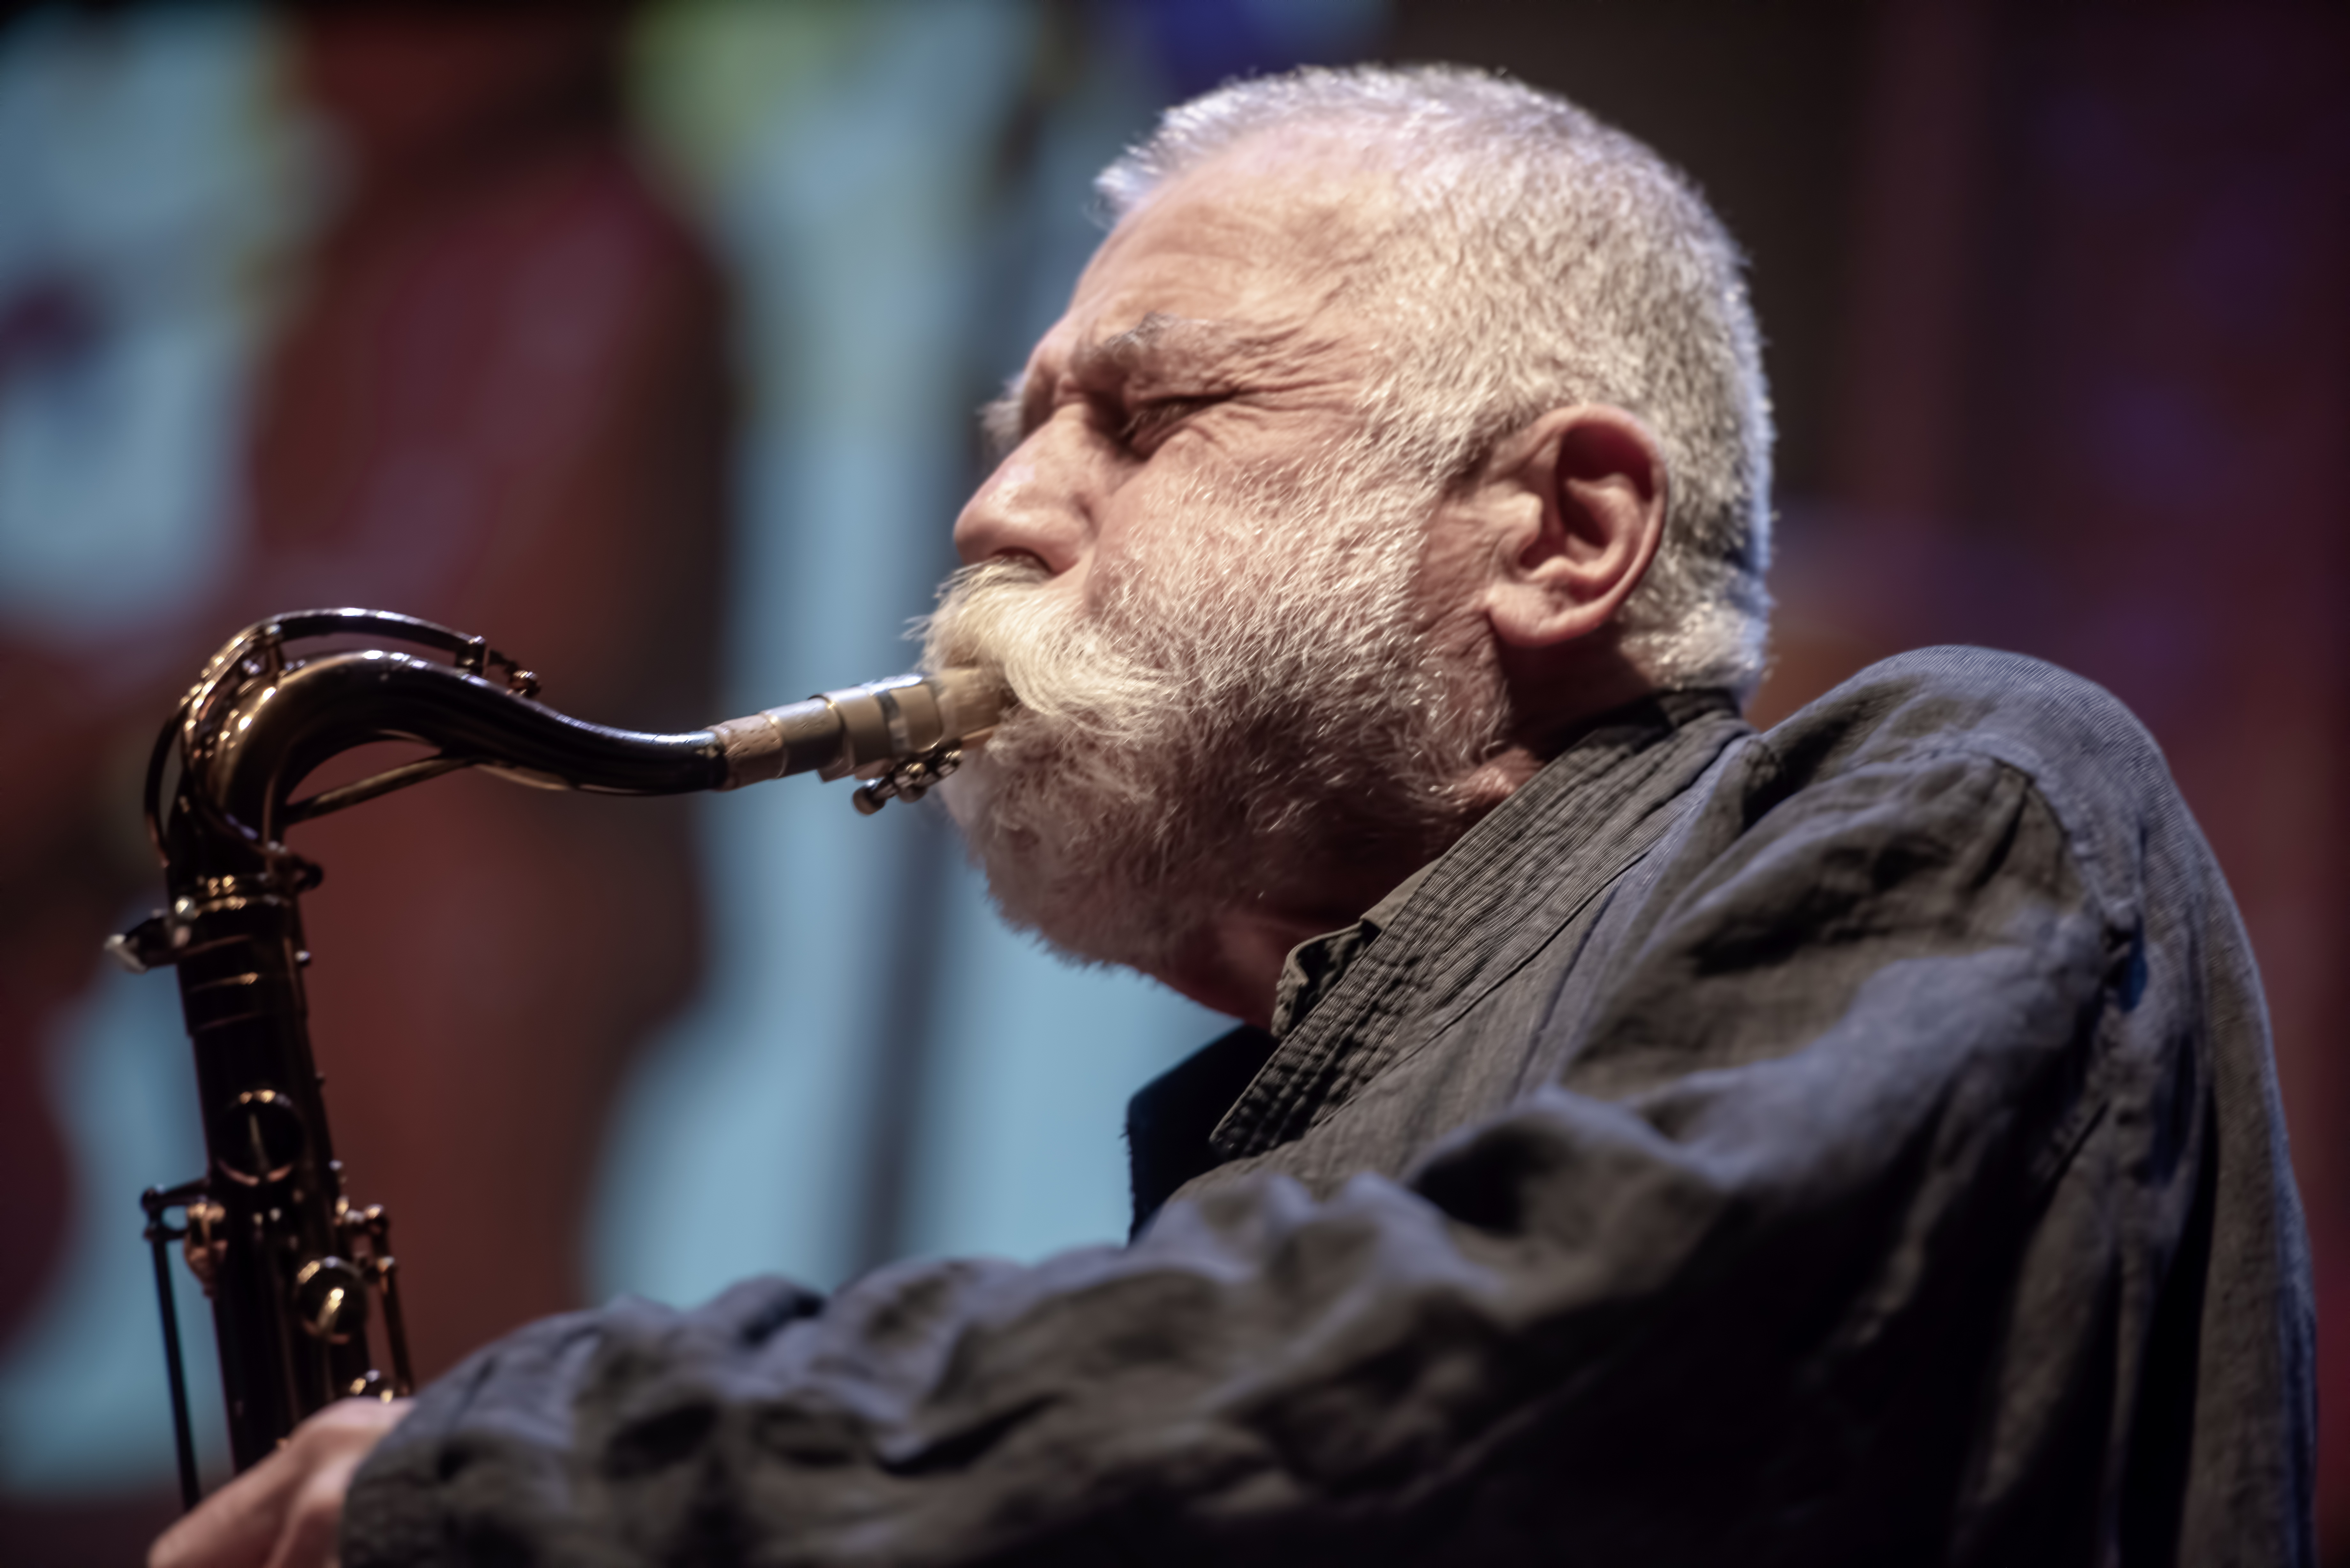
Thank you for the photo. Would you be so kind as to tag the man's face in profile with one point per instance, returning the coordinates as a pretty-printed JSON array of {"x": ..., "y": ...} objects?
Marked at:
[
  {"x": 1198, "y": 578},
  {"x": 1208, "y": 347}
]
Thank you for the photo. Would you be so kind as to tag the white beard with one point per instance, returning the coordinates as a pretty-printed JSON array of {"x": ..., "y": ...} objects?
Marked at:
[{"x": 1244, "y": 710}]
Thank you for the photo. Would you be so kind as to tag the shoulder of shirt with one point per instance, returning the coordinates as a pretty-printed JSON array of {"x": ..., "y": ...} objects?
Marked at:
[{"x": 2098, "y": 768}]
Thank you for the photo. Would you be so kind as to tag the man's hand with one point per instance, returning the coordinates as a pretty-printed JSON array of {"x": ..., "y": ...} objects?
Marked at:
[{"x": 283, "y": 1512}]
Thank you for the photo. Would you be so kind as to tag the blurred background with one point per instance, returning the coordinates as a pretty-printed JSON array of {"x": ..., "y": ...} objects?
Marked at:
[{"x": 645, "y": 341}]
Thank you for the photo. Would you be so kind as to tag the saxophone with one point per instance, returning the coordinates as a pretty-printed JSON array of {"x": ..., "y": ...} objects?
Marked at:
[{"x": 290, "y": 1265}]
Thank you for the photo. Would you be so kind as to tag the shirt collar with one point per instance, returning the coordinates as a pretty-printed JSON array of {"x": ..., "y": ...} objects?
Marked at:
[
  {"x": 1318, "y": 964},
  {"x": 1350, "y": 1002}
]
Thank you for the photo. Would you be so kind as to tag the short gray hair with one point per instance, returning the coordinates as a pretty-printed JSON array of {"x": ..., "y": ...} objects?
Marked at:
[{"x": 1543, "y": 259}]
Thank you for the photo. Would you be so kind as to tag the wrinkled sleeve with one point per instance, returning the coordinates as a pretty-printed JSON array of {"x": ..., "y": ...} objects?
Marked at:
[{"x": 1738, "y": 1285}]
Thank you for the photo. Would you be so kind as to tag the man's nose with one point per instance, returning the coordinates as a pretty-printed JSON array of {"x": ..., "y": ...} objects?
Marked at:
[{"x": 1035, "y": 504}]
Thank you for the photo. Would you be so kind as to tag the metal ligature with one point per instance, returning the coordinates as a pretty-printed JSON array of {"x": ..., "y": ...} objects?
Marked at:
[{"x": 290, "y": 1263}]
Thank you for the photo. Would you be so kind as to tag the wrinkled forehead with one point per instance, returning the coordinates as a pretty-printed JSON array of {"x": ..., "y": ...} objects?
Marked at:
[{"x": 1272, "y": 241}]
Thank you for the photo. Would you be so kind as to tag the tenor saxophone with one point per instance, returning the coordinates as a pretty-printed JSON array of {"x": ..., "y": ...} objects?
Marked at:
[{"x": 290, "y": 1263}]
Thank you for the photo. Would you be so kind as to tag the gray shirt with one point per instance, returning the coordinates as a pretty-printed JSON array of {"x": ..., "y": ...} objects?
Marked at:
[{"x": 1856, "y": 1143}]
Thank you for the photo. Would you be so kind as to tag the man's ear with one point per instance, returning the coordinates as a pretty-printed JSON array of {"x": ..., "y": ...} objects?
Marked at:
[{"x": 1590, "y": 508}]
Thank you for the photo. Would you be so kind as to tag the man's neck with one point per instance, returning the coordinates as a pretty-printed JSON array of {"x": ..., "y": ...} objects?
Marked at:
[
  {"x": 1233, "y": 966},
  {"x": 1234, "y": 963}
]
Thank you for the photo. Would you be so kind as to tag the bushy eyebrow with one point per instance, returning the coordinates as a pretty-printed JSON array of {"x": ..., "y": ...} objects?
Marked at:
[
  {"x": 1004, "y": 422},
  {"x": 1119, "y": 357},
  {"x": 1123, "y": 353}
]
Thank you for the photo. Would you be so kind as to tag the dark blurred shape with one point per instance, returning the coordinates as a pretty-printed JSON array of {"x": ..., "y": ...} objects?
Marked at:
[
  {"x": 50, "y": 318},
  {"x": 499, "y": 401},
  {"x": 1198, "y": 43},
  {"x": 53, "y": 904},
  {"x": 422, "y": 104},
  {"x": 501, "y": 405},
  {"x": 86, "y": 1534}
]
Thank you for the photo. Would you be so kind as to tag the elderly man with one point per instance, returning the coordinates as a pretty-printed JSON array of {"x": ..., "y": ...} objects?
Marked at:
[{"x": 1645, "y": 1140}]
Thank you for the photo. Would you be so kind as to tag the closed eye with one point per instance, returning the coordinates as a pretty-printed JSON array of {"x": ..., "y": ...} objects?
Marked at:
[{"x": 1152, "y": 422}]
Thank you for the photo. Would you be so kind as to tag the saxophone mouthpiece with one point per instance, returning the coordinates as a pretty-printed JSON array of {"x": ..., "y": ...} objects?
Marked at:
[{"x": 900, "y": 735}]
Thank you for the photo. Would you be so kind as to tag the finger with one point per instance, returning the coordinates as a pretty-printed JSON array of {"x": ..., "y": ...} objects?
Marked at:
[
  {"x": 316, "y": 1515},
  {"x": 335, "y": 1443},
  {"x": 362, "y": 1421},
  {"x": 244, "y": 1523},
  {"x": 234, "y": 1527}
]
